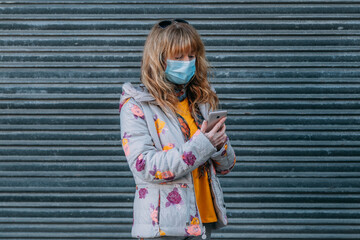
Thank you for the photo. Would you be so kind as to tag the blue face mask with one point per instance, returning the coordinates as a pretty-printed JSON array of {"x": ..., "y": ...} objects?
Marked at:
[{"x": 179, "y": 72}]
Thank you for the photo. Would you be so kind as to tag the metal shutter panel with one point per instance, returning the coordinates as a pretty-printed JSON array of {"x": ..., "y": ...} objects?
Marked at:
[{"x": 287, "y": 71}]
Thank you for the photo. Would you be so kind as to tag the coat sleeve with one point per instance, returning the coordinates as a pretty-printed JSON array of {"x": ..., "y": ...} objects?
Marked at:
[
  {"x": 224, "y": 159},
  {"x": 151, "y": 164}
]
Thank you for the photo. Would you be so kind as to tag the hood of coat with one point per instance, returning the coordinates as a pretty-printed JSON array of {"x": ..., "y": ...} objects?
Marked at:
[{"x": 141, "y": 94}]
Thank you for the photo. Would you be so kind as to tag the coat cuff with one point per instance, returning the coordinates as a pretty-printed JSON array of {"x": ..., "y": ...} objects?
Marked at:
[
  {"x": 206, "y": 148},
  {"x": 220, "y": 152}
]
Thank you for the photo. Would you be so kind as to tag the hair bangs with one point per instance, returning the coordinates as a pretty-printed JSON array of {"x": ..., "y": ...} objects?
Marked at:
[{"x": 181, "y": 41}]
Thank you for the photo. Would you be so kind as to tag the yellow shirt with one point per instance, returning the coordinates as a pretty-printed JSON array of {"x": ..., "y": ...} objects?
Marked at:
[{"x": 201, "y": 185}]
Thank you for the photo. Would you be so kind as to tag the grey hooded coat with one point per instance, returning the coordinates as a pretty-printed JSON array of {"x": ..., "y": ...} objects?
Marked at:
[{"x": 161, "y": 162}]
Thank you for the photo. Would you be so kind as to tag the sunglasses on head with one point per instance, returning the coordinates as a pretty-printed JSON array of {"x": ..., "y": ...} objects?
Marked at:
[{"x": 165, "y": 23}]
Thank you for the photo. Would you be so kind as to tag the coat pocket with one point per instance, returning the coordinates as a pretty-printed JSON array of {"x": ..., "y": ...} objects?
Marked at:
[
  {"x": 176, "y": 204},
  {"x": 146, "y": 212}
]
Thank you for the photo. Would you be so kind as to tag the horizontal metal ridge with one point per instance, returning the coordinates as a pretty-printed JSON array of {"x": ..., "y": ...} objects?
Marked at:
[
  {"x": 118, "y": 42},
  {"x": 221, "y": 48},
  {"x": 75, "y": 111},
  {"x": 237, "y": 109},
  {"x": 121, "y": 205},
  {"x": 115, "y": 150},
  {"x": 256, "y": 96},
  {"x": 117, "y": 158},
  {"x": 234, "y": 14},
  {"x": 41, "y": 158},
  {"x": 108, "y": 212},
  {"x": 211, "y": 57},
  {"x": 244, "y": 221},
  {"x": 103, "y": 166},
  {"x": 265, "y": 73},
  {"x": 238, "y": 233},
  {"x": 306, "y": 213},
  {"x": 283, "y": 205},
  {"x": 61, "y": 166},
  {"x": 88, "y": 104},
  {"x": 76, "y": 174},
  {"x": 297, "y": 235},
  {"x": 297, "y": 221},
  {"x": 93, "y": 65},
  {"x": 80, "y": 191},
  {"x": 58, "y": 128},
  {"x": 229, "y": 96},
  {"x": 89, "y": 81},
  {"x": 222, "y": 81},
  {"x": 45, "y": 127},
  {"x": 281, "y": 96},
  {"x": 83, "y": 205},
  {"x": 86, "y": 234},
  {"x": 214, "y": 58},
  {"x": 136, "y": 56},
  {"x": 232, "y": 128},
  {"x": 238, "y": 120},
  {"x": 237, "y": 143},
  {"x": 128, "y": 174},
  {"x": 54, "y": 220},
  {"x": 204, "y": 33},
  {"x": 219, "y": 88},
  {"x": 165, "y": 2}
]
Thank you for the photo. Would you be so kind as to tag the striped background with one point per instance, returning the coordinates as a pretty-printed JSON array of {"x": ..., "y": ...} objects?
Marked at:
[{"x": 287, "y": 71}]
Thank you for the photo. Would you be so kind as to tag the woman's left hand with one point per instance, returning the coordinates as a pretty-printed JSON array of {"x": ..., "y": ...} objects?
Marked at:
[{"x": 216, "y": 135}]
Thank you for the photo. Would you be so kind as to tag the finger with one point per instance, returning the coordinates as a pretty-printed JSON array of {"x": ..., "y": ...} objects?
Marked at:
[
  {"x": 219, "y": 138},
  {"x": 223, "y": 129},
  {"x": 218, "y": 125},
  {"x": 203, "y": 126},
  {"x": 219, "y": 144},
  {"x": 225, "y": 139}
]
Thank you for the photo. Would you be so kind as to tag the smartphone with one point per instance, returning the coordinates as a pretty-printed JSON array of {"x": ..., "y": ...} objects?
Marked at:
[{"x": 214, "y": 117}]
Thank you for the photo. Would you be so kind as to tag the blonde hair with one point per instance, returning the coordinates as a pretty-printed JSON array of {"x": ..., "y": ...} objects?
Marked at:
[{"x": 170, "y": 41}]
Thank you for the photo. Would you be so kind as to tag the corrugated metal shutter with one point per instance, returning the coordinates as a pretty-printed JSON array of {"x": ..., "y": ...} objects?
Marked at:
[{"x": 287, "y": 71}]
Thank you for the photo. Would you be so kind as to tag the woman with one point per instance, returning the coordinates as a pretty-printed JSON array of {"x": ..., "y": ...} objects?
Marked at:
[{"x": 174, "y": 160}]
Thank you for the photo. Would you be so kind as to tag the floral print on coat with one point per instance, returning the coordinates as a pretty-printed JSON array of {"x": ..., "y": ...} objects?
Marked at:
[
  {"x": 159, "y": 125},
  {"x": 168, "y": 147},
  {"x": 173, "y": 198},
  {"x": 162, "y": 233},
  {"x": 142, "y": 193},
  {"x": 167, "y": 175},
  {"x": 137, "y": 112},
  {"x": 125, "y": 144},
  {"x": 194, "y": 228},
  {"x": 140, "y": 163},
  {"x": 189, "y": 158},
  {"x": 225, "y": 149},
  {"x": 154, "y": 214}
]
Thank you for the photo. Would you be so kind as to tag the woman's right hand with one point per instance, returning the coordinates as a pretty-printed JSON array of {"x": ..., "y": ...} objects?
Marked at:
[{"x": 216, "y": 135}]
